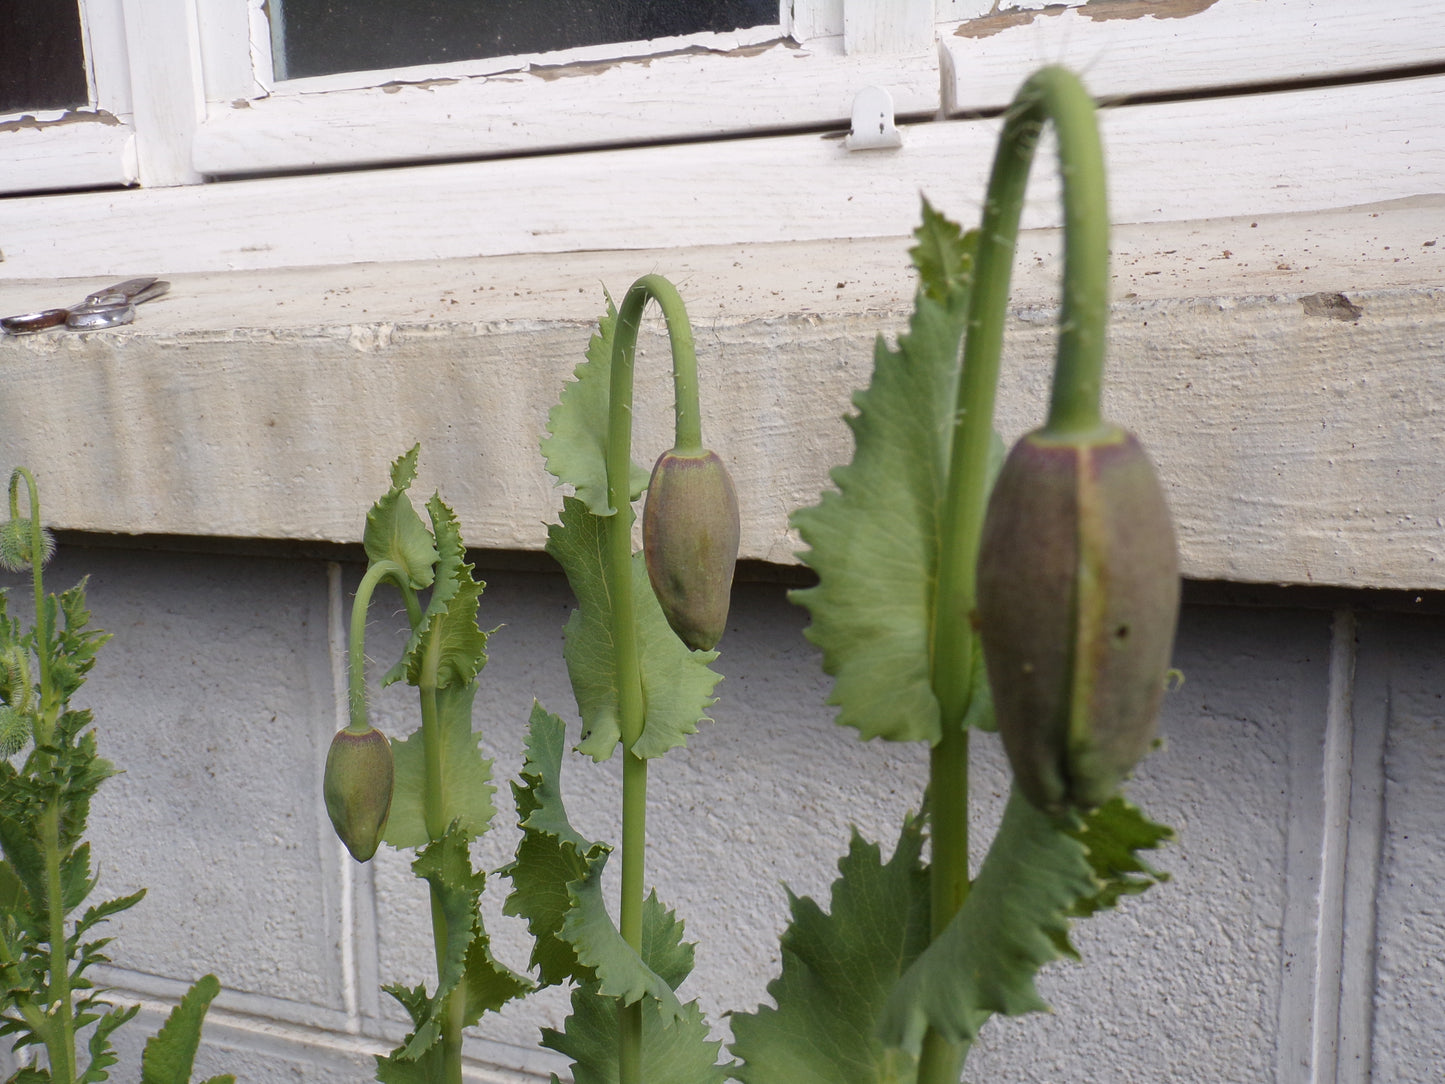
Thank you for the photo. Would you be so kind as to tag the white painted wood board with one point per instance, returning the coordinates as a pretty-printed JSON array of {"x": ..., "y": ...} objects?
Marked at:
[
  {"x": 689, "y": 92},
  {"x": 1124, "y": 48},
  {"x": 1296, "y": 151},
  {"x": 1296, "y": 446},
  {"x": 77, "y": 149}
]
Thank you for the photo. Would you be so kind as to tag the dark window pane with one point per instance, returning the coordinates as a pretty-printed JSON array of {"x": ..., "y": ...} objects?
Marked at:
[
  {"x": 42, "y": 59},
  {"x": 318, "y": 37}
]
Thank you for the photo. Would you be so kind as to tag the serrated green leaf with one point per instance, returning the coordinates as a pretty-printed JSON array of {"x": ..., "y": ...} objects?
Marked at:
[
  {"x": 394, "y": 531},
  {"x": 675, "y": 1045},
  {"x": 1113, "y": 835},
  {"x": 465, "y": 961},
  {"x": 838, "y": 969},
  {"x": 550, "y": 854},
  {"x": 874, "y": 542},
  {"x": 619, "y": 968},
  {"x": 677, "y": 684},
  {"x": 169, "y": 1055},
  {"x": 576, "y": 447},
  {"x": 102, "y": 911},
  {"x": 102, "y": 1056},
  {"x": 673, "y": 1051},
  {"x": 466, "y": 775},
  {"x": 1015, "y": 920},
  {"x": 449, "y": 625}
]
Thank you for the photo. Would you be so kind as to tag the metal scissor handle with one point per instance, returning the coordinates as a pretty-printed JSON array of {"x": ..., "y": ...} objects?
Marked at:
[{"x": 111, "y": 307}]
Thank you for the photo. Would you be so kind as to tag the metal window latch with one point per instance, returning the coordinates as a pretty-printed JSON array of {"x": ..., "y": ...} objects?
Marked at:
[{"x": 873, "y": 127}]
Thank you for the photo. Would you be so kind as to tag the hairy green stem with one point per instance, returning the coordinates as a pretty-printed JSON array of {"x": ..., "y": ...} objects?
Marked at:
[
  {"x": 618, "y": 574},
  {"x": 1052, "y": 95},
  {"x": 61, "y": 1047},
  {"x": 44, "y": 630}
]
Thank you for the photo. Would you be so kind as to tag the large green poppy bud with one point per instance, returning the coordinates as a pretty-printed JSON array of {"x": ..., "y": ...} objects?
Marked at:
[
  {"x": 690, "y": 541},
  {"x": 357, "y": 787},
  {"x": 1078, "y": 597}
]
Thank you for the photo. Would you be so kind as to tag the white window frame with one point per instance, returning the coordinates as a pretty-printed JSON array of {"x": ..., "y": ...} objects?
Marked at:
[
  {"x": 183, "y": 93},
  {"x": 798, "y": 184}
]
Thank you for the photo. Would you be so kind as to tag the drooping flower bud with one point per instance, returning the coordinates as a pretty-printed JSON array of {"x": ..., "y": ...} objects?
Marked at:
[
  {"x": 690, "y": 542},
  {"x": 1078, "y": 597},
  {"x": 357, "y": 787}
]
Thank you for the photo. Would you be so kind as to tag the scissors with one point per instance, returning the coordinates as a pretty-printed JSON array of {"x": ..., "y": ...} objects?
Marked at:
[{"x": 111, "y": 307}]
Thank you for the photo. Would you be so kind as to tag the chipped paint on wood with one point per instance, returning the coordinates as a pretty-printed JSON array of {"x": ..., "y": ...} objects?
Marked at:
[
  {"x": 71, "y": 116},
  {"x": 1105, "y": 10},
  {"x": 597, "y": 67},
  {"x": 998, "y": 22}
]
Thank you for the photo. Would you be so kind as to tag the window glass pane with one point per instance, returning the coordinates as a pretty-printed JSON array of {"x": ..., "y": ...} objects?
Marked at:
[
  {"x": 42, "y": 58},
  {"x": 318, "y": 37}
]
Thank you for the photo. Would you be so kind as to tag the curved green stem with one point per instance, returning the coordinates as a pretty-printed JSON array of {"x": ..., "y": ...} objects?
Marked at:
[
  {"x": 1055, "y": 95},
  {"x": 618, "y": 573},
  {"x": 356, "y": 642}
]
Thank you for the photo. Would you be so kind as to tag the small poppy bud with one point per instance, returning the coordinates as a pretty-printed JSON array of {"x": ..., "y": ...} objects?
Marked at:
[
  {"x": 357, "y": 787},
  {"x": 690, "y": 542},
  {"x": 1078, "y": 597}
]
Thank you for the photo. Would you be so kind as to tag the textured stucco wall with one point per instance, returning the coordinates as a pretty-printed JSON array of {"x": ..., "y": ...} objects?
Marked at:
[{"x": 218, "y": 696}]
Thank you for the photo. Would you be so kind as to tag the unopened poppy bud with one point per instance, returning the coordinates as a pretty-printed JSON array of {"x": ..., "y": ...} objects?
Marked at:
[
  {"x": 357, "y": 787},
  {"x": 690, "y": 542},
  {"x": 1078, "y": 597}
]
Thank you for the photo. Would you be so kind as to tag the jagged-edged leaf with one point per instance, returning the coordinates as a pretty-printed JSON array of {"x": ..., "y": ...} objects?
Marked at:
[
  {"x": 674, "y": 1051},
  {"x": 466, "y": 775},
  {"x": 26, "y": 862},
  {"x": 102, "y": 911},
  {"x": 489, "y": 984},
  {"x": 1015, "y": 920},
  {"x": 465, "y": 959},
  {"x": 550, "y": 854},
  {"x": 75, "y": 879},
  {"x": 557, "y": 888},
  {"x": 169, "y": 1055},
  {"x": 618, "y": 968},
  {"x": 677, "y": 684},
  {"x": 1113, "y": 835},
  {"x": 449, "y": 626},
  {"x": 838, "y": 969},
  {"x": 874, "y": 541},
  {"x": 576, "y": 445},
  {"x": 394, "y": 531},
  {"x": 102, "y": 1056}
]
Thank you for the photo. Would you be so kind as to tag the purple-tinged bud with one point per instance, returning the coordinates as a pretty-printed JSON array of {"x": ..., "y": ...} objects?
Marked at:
[
  {"x": 1078, "y": 598},
  {"x": 357, "y": 787},
  {"x": 690, "y": 542}
]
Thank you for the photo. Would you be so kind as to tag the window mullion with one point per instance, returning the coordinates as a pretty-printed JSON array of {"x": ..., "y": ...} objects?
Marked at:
[{"x": 163, "y": 47}]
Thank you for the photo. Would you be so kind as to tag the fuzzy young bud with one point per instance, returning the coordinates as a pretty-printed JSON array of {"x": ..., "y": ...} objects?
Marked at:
[
  {"x": 1078, "y": 597},
  {"x": 690, "y": 542},
  {"x": 357, "y": 787}
]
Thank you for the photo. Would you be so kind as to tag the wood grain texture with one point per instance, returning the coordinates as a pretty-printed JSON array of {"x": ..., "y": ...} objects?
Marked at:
[
  {"x": 1124, "y": 47},
  {"x": 1296, "y": 447},
  {"x": 1305, "y": 150}
]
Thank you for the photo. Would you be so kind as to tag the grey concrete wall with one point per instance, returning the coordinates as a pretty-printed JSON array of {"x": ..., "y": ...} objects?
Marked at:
[{"x": 1302, "y": 938}]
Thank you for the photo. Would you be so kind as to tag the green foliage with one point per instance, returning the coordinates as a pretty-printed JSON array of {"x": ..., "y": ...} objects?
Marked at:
[
  {"x": 575, "y": 447},
  {"x": 677, "y": 683},
  {"x": 171, "y": 1052},
  {"x": 394, "y": 532},
  {"x": 442, "y": 789},
  {"x": 557, "y": 889},
  {"x": 838, "y": 970},
  {"x": 46, "y": 997},
  {"x": 875, "y": 541},
  {"x": 1036, "y": 876}
]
